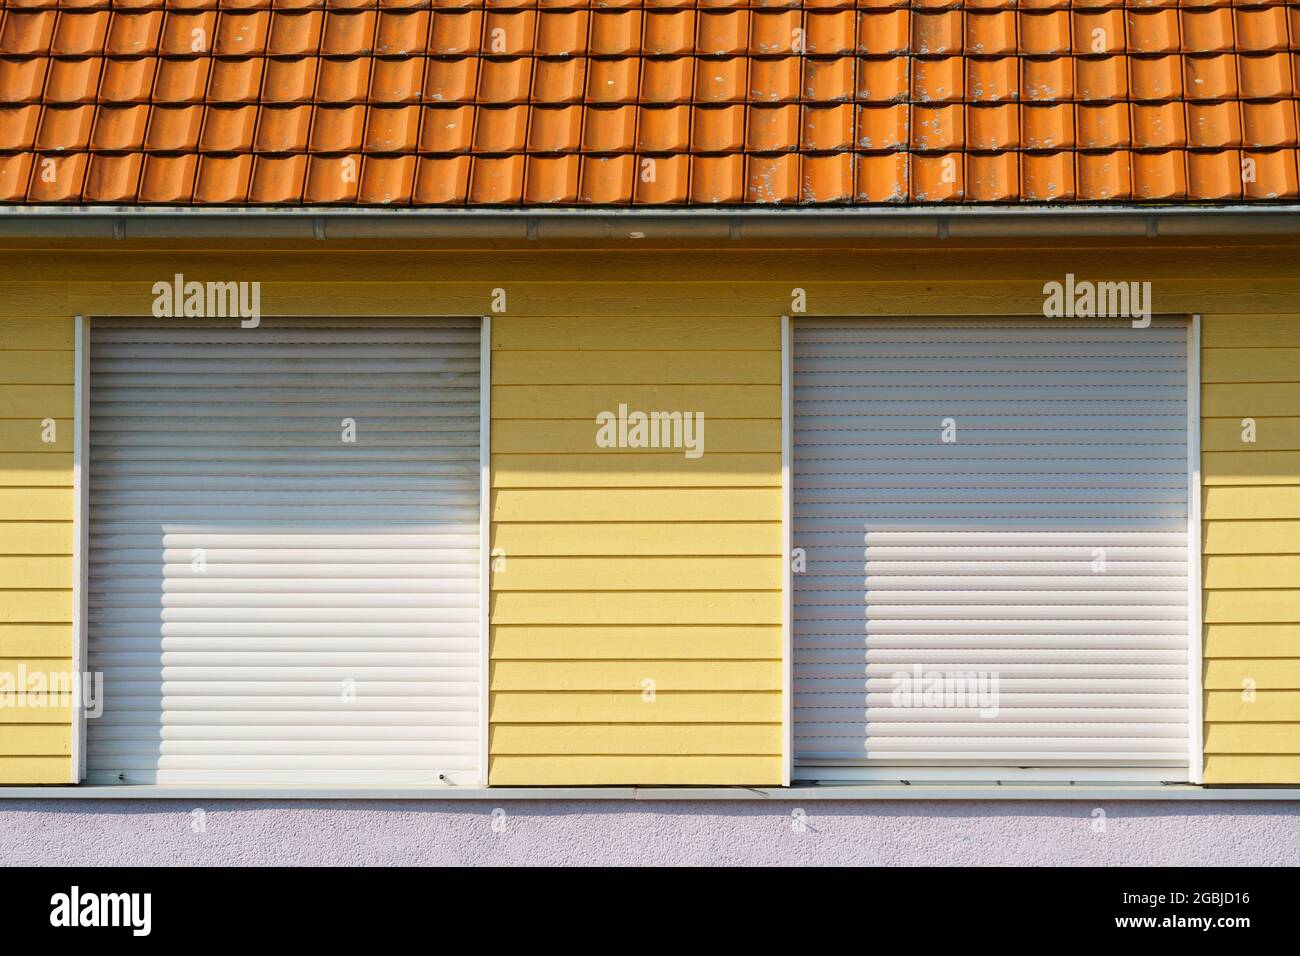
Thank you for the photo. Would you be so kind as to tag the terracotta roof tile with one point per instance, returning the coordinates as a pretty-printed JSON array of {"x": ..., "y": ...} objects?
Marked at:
[
  {"x": 127, "y": 80},
  {"x": 348, "y": 33},
  {"x": 188, "y": 32},
  {"x": 1102, "y": 79},
  {"x": 289, "y": 80},
  {"x": 772, "y": 179},
  {"x": 990, "y": 33},
  {"x": 826, "y": 179},
  {"x": 883, "y": 80},
  {"x": 1044, "y": 32},
  {"x": 1214, "y": 175},
  {"x": 57, "y": 178},
  {"x": 1207, "y": 31},
  {"x": 666, "y": 129},
  {"x": 113, "y": 178},
  {"x": 170, "y": 129},
  {"x": 386, "y": 180},
  {"x": 73, "y": 80},
  {"x": 725, "y": 33},
  {"x": 332, "y": 179},
  {"x": 80, "y": 33},
  {"x": 607, "y": 180},
  {"x": 402, "y": 33},
  {"x": 1269, "y": 175},
  {"x": 1218, "y": 125},
  {"x": 772, "y": 32},
  {"x": 558, "y": 80},
  {"x": 343, "y": 80},
  {"x": 18, "y": 125},
  {"x": 1153, "y": 31},
  {"x": 1047, "y": 177},
  {"x": 717, "y": 102},
  {"x": 277, "y": 179},
  {"x": 295, "y": 33},
  {"x": 283, "y": 129},
  {"x": 181, "y": 81},
  {"x": 992, "y": 177},
  {"x": 882, "y": 179},
  {"x": 241, "y": 33},
  {"x": 15, "y": 172},
  {"x": 1161, "y": 175},
  {"x": 662, "y": 180},
  {"x": 610, "y": 129},
  {"x": 1047, "y": 126},
  {"x": 771, "y": 80},
  {"x": 25, "y": 33},
  {"x": 1102, "y": 126},
  {"x": 500, "y": 129},
  {"x": 496, "y": 180},
  {"x": 1265, "y": 76},
  {"x": 551, "y": 180},
  {"x": 881, "y": 127},
  {"x": 337, "y": 128},
  {"x": 168, "y": 179},
  {"x": 937, "y": 178},
  {"x": 1102, "y": 177},
  {"x": 1263, "y": 125},
  {"x": 1158, "y": 126},
  {"x": 65, "y": 128},
  {"x": 994, "y": 80},
  {"x": 134, "y": 33},
  {"x": 441, "y": 181},
  {"x": 937, "y": 33},
  {"x": 228, "y": 129},
  {"x": 1155, "y": 78}
]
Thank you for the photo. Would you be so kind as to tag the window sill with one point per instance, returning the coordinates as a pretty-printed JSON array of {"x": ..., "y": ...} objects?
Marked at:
[{"x": 970, "y": 792}]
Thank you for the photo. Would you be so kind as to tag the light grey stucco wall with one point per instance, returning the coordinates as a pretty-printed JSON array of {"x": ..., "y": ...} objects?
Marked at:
[{"x": 440, "y": 833}]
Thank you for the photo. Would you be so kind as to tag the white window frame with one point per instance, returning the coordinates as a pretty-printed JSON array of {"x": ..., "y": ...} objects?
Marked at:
[
  {"x": 81, "y": 532},
  {"x": 1195, "y": 627}
]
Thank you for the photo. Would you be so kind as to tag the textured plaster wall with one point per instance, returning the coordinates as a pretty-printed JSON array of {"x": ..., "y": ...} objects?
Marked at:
[{"x": 527, "y": 832}]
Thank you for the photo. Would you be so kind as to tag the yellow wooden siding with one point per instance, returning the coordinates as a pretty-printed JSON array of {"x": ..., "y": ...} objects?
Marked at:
[
  {"x": 636, "y": 605},
  {"x": 616, "y": 315},
  {"x": 36, "y": 383},
  {"x": 1250, "y": 368}
]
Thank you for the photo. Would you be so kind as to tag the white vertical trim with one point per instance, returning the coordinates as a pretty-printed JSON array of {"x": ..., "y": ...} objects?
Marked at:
[
  {"x": 80, "y": 537},
  {"x": 484, "y": 538},
  {"x": 1195, "y": 648},
  {"x": 787, "y": 576}
]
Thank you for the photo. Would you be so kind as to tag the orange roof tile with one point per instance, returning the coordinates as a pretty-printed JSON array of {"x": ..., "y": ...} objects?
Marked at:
[
  {"x": 650, "y": 102},
  {"x": 551, "y": 179}
]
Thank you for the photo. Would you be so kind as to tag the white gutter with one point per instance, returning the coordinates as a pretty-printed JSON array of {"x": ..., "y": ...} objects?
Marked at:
[{"x": 145, "y": 222}]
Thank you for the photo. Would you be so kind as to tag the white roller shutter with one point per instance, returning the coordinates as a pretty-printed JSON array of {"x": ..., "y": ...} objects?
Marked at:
[
  {"x": 268, "y": 602},
  {"x": 1045, "y": 547}
]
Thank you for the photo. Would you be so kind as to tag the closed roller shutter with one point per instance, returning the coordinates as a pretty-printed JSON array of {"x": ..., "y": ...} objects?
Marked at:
[
  {"x": 1044, "y": 548},
  {"x": 268, "y": 602}
]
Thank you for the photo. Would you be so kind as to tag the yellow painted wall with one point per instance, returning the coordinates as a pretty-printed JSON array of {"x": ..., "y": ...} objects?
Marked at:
[
  {"x": 1251, "y": 369},
  {"x": 623, "y": 567},
  {"x": 36, "y": 376},
  {"x": 636, "y": 616}
]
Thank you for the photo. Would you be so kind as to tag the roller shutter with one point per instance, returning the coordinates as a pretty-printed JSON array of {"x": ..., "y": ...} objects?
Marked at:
[
  {"x": 268, "y": 601},
  {"x": 1042, "y": 545}
]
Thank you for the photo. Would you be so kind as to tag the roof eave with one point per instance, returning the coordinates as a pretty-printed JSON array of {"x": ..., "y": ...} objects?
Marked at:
[{"x": 145, "y": 222}]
